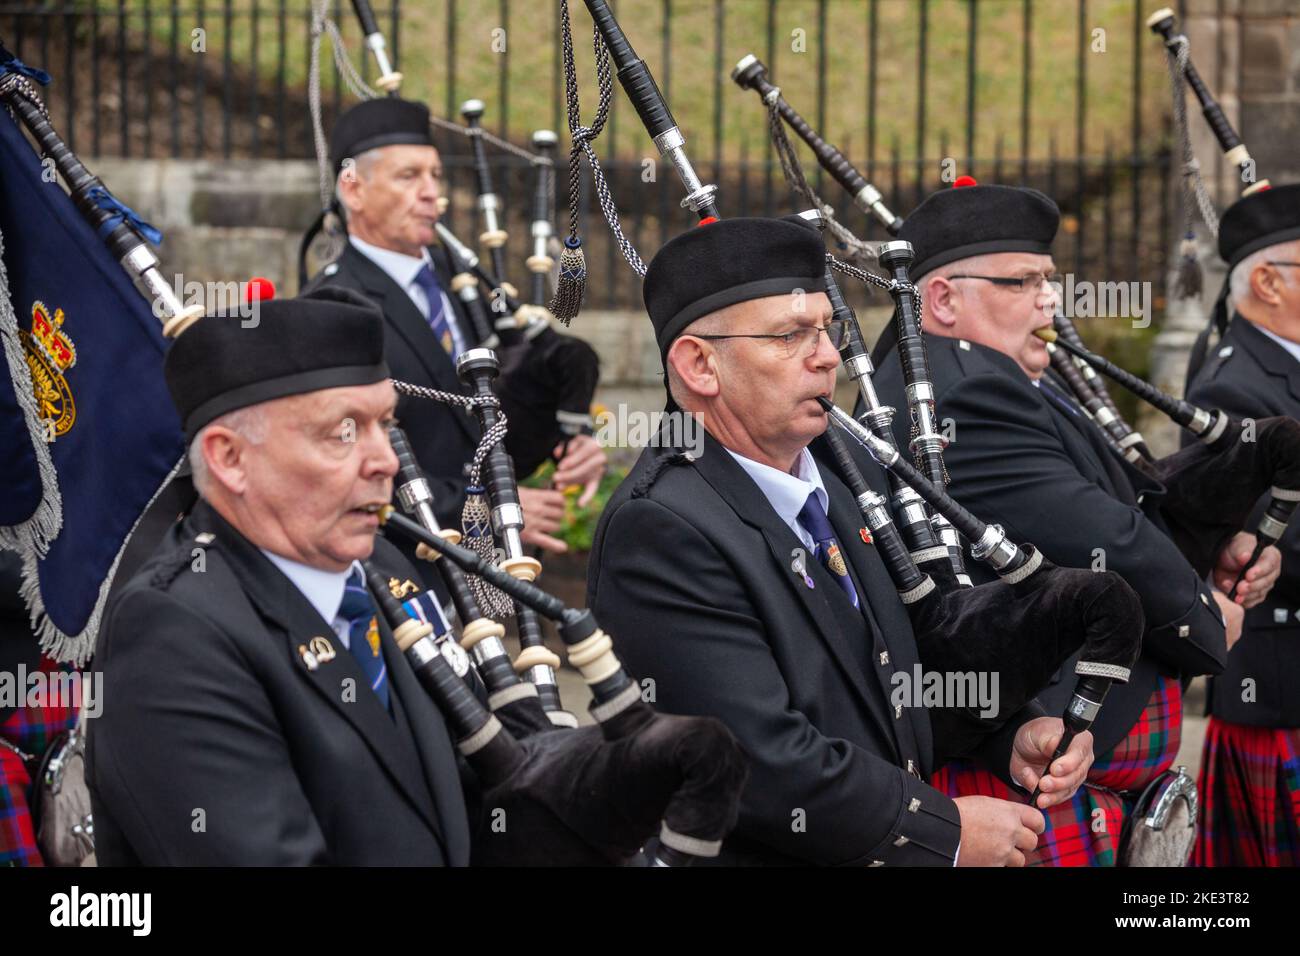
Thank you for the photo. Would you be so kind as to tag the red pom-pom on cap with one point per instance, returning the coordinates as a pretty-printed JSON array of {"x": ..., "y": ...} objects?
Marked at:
[
  {"x": 964, "y": 181},
  {"x": 707, "y": 221},
  {"x": 258, "y": 289}
]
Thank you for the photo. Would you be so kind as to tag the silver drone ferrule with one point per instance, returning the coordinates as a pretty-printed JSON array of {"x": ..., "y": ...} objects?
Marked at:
[
  {"x": 488, "y": 203},
  {"x": 1083, "y": 708},
  {"x": 875, "y": 508},
  {"x": 869, "y": 200},
  {"x": 995, "y": 548},
  {"x": 910, "y": 505},
  {"x": 1200, "y": 421},
  {"x": 881, "y": 451},
  {"x": 540, "y": 674},
  {"x": 412, "y": 493},
  {"x": 859, "y": 367},
  {"x": 542, "y": 233},
  {"x": 488, "y": 649},
  {"x": 1270, "y": 527},
  {"x": 451, "y": 242},
  {"x": 698, "y": 194},
  {"x": 142, "y": 264},
  {"x": 377, "y": 47}
]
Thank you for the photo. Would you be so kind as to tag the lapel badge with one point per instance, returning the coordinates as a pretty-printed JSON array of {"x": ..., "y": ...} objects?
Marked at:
[
  {"x": 322, "y": 649},
  {"x": 865, "y": 535},
  {"x": 400, "y": 589},
  {"x": 372, "y": 637},
  {"x": 308, "y": 657},
  {"x": 836, "y": 560}
]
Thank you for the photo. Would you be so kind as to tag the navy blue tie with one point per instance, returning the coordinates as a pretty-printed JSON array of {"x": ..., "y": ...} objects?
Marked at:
[
  {"x": 813, "y": 518},
  {"x": 438, "y": 321},
  {"x": 363, "y": 634},
  {"x": 1056, "y": 398}
]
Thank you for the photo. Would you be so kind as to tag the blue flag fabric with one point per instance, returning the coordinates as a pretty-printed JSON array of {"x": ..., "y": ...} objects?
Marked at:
[{"x": 90, "y": 359}]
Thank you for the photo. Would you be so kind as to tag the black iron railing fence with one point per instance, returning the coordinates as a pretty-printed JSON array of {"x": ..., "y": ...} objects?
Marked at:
[{"x": 940, "y": 86}]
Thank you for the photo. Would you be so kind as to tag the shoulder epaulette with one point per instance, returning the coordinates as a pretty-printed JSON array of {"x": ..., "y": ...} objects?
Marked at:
[
  {"x": 169, "y": 566},
  {"x": 662, "y": 463}
]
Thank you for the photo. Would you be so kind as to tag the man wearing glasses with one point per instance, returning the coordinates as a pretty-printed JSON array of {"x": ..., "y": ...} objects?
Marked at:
[
  {"x": 739, "y": 583},
  {"x": 1250, "y": 768},
  {"x": 1024, "y": 454}
]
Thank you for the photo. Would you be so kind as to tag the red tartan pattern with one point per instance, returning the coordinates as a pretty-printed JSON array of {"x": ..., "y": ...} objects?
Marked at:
[
  {"x": 30, "y": 729},
  {"x": 1075, "y": 834},
  {"x": 1249, "y": 796}
]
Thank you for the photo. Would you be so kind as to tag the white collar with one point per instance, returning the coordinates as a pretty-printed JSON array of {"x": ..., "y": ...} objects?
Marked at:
[
  {"x": 400, "y": 267},
  {"x": 322, "y": 589},
  {"x": 1292, "y": 347},
  {"x": 787, "y": 491}
]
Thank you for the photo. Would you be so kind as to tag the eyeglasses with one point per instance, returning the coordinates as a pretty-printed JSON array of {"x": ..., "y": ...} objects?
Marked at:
[
  {"x": 800, "y": 342},
  {"x": 1030, "y": 282}
]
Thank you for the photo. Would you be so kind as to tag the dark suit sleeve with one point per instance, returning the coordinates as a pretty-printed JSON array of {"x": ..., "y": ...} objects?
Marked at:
[
  {"x": 188, "y": 752},
  {"x": 810, "y": 796},
  {"x": 1008, "y": 465}
]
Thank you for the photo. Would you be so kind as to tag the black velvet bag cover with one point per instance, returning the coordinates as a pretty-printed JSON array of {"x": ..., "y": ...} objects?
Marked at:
[
  {"x": 593, "y": 796},
  {"x": 554, "y": 372},
  {"x": 1024, "y": 631},
  {"x": 1212, "y": 489}
]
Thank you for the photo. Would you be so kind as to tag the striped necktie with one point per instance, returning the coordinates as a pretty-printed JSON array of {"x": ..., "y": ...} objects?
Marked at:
[
  {"x": 1057, "y": 399},
  {"x": 438, "y": 321},
  {"x": 363, "y": 634},
  {"x": 813, "y": 518}
]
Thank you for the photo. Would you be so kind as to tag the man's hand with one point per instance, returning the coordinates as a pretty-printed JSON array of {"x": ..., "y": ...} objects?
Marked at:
[
  {"x": 583, "y": 464},
  {"x": 1036, "y": 741},
  {"x": 1233, "y": 617},
  {"x": 996, "y": 832},
  {"x": 543, "y": 513},
  {"x": 1258, "y": 581}
]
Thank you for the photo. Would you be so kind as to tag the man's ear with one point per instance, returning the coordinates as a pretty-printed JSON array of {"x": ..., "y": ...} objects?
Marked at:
[
  {"x": 1265, "y": 284},
  {"x": 696, "y": 364},
  {"x": 349, "y": 186},
  {"x": 939, "y": 295},
  {"x": 223, "y": 451}
]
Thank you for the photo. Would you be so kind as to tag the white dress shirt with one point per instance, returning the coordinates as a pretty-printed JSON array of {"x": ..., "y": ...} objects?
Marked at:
[
  {"x": 787, "y": 492},
  {"x": 322, "y": 589},
  {"x": 403, "y": 269}
]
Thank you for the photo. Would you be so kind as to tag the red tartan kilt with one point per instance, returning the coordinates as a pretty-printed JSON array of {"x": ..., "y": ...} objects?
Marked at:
[
  {"x": 1085, "y": 830},
  {"x": 1249, "y": 796},
  {"x": 30, "y": 729}
]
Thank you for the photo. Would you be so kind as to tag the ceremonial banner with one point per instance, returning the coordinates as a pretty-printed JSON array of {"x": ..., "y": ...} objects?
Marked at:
[{"x": 89, "y": 431}]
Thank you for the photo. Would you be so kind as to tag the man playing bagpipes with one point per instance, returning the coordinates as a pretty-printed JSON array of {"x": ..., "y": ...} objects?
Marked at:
[
  {"x": 1022, "y": 453},
  {"x": 261, "y": 712},
  {"x": 1250, "y": 770},
  {"x": 389, "y": 179},
  {"x": 741, "y": 584}
]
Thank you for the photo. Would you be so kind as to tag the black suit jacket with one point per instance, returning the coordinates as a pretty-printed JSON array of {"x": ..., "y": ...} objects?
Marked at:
[
  {"x": 220, "y": 746},
  {"x": 1252, "y": 376},
  {"x": 443, "y": 437},
  {"x": 696, "y": 584},
  {"x": 1049, "y": 479}
]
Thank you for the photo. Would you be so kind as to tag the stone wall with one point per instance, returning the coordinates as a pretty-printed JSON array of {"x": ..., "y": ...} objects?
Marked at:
[{"x": 226, "y": 221}]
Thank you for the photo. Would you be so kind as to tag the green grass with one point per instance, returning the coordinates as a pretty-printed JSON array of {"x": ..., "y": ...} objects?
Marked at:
[{"x": 697, "y": 99}]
